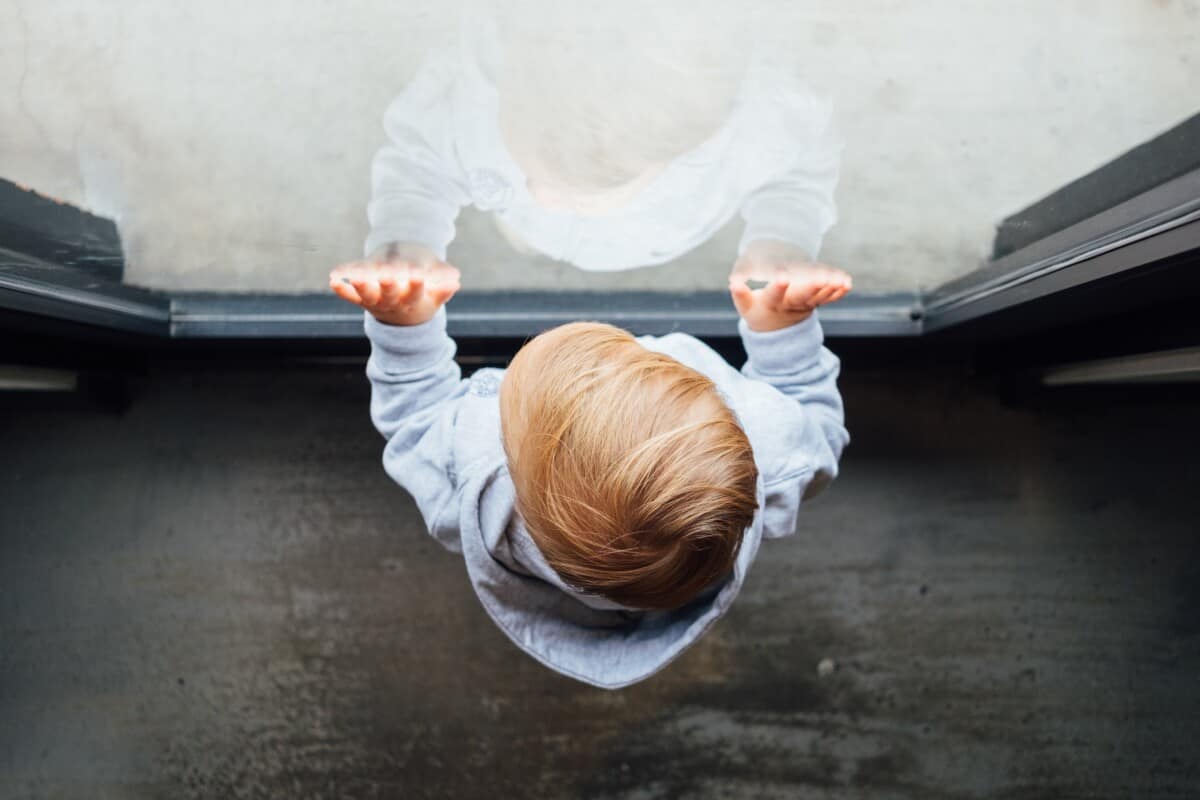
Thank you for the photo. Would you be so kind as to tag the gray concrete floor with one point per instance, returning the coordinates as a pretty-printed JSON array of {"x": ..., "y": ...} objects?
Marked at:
[{"x": 220, "y": 594}]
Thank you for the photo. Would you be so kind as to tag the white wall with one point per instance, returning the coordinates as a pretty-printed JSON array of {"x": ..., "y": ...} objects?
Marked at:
[{"x": 232, "y": 140}]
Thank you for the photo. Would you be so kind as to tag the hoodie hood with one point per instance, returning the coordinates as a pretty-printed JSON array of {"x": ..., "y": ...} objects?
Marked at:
[{"x": 588, "y": 637}]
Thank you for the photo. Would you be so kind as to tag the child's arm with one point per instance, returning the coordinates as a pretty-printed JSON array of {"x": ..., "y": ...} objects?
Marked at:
[
  {"x": 417, "y": 184},
  {"x": 784, "y": 342},
  {"x": 415, "y": 382}
]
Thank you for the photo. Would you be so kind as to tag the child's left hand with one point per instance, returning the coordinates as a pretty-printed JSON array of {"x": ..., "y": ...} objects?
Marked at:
[
  {"x": 395, "y": 293},
  {"x": 795, "y": 285}
]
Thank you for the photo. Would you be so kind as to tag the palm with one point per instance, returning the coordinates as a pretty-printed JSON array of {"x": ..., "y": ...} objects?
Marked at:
[
  {"x": 396, "y": 293},
  {"x": 791, "y": 294}
]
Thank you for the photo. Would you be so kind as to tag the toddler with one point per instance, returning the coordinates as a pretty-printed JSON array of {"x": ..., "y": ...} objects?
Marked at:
[{"x": 608, "y": 493}]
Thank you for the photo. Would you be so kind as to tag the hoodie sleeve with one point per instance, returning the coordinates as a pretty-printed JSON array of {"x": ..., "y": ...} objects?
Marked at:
[
  {"x": 802, "y": 151},
  {"x": 416, "y": 387},
  {"x": 795, "y": 362},
  {"x": 796, "y": 207},
  {"x": 417, "y": 184}
]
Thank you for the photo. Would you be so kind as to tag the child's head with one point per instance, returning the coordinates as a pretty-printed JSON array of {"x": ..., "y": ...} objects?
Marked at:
[{"x": 634, "y": 478}]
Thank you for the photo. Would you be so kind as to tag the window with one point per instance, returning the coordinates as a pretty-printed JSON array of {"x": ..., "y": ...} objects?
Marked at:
[{"x": 194, "y": 173}]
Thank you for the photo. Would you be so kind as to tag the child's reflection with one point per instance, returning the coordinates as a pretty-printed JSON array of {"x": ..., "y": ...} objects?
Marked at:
[{"x": 605, "y": 147}]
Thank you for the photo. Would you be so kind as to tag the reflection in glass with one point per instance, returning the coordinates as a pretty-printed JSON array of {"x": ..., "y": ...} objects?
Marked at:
[{"x": 607, "y": 145}]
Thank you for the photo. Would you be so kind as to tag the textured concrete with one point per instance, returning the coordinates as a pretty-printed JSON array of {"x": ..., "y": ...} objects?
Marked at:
[
  {"x": 219, "y": 594},
  {"x": 232, "y": 140}
]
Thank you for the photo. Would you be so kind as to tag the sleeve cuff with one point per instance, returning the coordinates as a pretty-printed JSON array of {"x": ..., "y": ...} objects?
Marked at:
[
  {"x": 403, "y": 348},
  {"x": 786, "y": 350}
]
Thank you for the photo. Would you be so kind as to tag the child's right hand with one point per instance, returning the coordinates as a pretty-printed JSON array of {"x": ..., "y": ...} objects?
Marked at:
[
  {"x": 789, "y": 297},
  {"x": 404, "y": 289}
]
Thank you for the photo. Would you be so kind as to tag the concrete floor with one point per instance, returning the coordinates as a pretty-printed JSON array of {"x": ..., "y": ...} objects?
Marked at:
[
  {"x": 232, "y": 141},
  {"x": 220, "y": 595}
]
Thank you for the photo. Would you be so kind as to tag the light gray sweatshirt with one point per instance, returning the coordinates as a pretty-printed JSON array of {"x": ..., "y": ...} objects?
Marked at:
[{"x": 444, "y": 446}]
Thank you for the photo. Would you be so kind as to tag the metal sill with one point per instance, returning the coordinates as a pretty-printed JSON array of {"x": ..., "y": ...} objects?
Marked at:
[{"x": 521, "y": 314}]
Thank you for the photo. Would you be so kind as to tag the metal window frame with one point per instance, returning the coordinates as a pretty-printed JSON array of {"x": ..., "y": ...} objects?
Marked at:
[
  {"x": 1156, "y": 225},
  {"x": 41, "y": 288},
  {"x": 521, "y": 314}
]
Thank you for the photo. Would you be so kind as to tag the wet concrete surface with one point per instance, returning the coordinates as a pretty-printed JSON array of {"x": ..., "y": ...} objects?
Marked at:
[{"x": 219, "y": 594}]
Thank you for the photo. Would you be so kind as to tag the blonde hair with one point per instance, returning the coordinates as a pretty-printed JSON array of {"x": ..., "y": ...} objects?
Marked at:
[{"x": 633, "y": 477}]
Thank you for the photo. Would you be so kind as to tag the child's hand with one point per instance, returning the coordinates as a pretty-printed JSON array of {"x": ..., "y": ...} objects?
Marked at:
[
  {"x": 794, "y": 287},
  {"x": 406, "y": 289}
]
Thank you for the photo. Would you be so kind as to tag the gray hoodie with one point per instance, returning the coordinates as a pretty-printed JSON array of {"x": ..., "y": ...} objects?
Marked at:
[{"x": 444, "y": 446}]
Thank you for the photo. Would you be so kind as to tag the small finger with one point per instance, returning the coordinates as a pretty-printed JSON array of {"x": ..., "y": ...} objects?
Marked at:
[
  {"x": 835, "y": 276},
  {"x": 389, "y": 290},
  {"x": 824, "y": 295},
  {"x": 368, "y": 289},
  {"x": 775, "y": 292},
  {"x": 800, "y": 295},
  {"x": 442, "y": 292},
  {"x": 345, "y": 291},
  {"x": 342, "y": 271},
  {"x": 743, "y": 296},
  {"x": 411, "y": 289}
]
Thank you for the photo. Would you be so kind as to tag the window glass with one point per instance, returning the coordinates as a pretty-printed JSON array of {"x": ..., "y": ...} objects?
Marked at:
[{"x": 253, "y": 146}]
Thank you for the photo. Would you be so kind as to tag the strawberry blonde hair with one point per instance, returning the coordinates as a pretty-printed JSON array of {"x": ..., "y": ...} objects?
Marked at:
[{"x": 632, "y": 475}]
